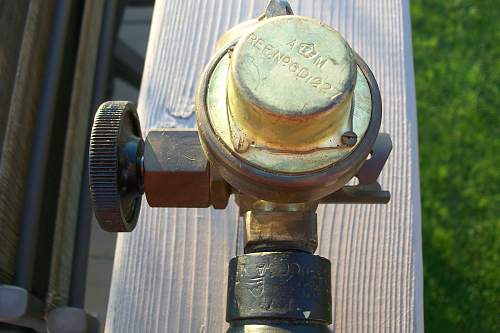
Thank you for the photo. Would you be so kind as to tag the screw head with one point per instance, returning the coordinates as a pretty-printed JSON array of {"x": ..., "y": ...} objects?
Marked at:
[{"x": 349, "y": 138}]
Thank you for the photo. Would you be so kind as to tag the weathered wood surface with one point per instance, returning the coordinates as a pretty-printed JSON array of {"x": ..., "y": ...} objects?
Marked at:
[{"x": 170, "y": 273}]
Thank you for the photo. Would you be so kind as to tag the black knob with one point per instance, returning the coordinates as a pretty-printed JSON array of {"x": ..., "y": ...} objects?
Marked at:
[{"x": 115, "y": 166}]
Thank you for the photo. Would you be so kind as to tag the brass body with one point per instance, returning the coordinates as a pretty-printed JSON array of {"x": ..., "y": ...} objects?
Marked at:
[
  {"x": 285, "y": 95},
  {"x": 286, "y": 110}
]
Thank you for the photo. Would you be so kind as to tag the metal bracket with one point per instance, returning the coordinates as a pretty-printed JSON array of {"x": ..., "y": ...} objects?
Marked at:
[
  {"x": 368, "y": 190},
  {"x": 371, "y": 169},
  {"x": 71, "y": 320},
  {"x": 278, "y": 8},
  {"x": 19, "y": 307}
]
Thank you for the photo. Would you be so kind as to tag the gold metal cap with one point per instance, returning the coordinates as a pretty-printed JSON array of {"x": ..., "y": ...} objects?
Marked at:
[{"x": 291, "y": 82}]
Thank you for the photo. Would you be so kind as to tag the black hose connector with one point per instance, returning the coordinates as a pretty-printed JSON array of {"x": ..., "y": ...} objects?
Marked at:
[{"x": 279, "y": 290}]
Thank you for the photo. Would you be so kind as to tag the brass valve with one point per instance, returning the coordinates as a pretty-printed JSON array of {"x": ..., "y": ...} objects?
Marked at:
[{"x": 287, "y": 114}]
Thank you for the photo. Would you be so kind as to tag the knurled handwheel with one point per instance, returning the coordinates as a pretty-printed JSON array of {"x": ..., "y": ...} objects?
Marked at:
[{"x": 115, "y": 166}]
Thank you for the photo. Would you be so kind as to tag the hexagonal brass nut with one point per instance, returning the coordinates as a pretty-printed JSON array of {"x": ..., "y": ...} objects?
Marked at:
[
  {"x": 176, "y": 170},
  {"x": 220, "y": 190},
  {"x": 279, "y": 230}
]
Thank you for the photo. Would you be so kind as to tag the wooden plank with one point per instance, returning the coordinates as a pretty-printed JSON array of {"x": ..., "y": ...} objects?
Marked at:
[{"x": 170, "y": 273}]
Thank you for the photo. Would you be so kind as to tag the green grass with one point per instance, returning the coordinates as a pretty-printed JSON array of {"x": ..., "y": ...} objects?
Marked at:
[{"x": 457, "y": 67}]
